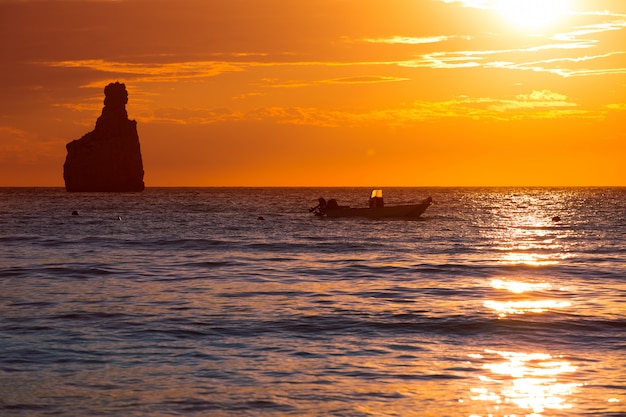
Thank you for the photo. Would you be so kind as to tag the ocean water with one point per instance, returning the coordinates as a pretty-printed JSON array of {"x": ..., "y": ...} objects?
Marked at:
[{"x": 239, "y": 302}]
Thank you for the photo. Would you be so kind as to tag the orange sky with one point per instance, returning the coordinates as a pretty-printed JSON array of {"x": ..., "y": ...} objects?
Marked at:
[{"x": 323, "y": 92}]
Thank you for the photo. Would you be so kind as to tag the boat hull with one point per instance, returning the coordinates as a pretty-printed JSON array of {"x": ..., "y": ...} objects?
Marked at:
[{"x": 404, "y": 211}]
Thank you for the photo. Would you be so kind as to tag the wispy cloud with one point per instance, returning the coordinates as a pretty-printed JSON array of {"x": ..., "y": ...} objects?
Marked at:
[
  {"x": 156, "y": 72},
  {"x": 617, "y": 106},
  {"x": 556, "y": 66},
  {"x": 542, "y": 104},
  {"x": 523, "y": 58},
  {"x": 408, "y": 40},
  {"x": 538, "y": 104},
  {"x": 367, "y": 79},
  {"x": 593, "y": 34},
  {"x": 190, "y": 115},
  {"x": 534, "y": 100},
  {"x": 517, "y": 58}
]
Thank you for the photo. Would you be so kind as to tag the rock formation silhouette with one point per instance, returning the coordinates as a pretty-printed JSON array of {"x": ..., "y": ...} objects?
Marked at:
[{"x": 109, "y": 157}]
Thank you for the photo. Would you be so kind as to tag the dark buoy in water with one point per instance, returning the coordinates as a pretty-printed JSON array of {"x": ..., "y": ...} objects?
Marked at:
[
  {"x": 260, "y": 218},
  {"x": 556, "y": 219},
  {"x": 75, "y": 213}
]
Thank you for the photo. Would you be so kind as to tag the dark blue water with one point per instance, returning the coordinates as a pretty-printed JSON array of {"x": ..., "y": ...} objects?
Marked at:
[{"x": 183, "y": 302}]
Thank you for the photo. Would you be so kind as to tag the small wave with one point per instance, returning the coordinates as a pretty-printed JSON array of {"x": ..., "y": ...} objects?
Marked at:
[{"x": 316, "y": 326}]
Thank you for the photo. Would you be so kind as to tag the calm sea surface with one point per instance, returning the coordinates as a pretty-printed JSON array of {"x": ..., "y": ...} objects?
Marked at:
[{"x": 183, "y": 302}]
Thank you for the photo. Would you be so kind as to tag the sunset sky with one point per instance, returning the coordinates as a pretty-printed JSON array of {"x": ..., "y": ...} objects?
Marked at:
[{"x": 323, "y": 92}]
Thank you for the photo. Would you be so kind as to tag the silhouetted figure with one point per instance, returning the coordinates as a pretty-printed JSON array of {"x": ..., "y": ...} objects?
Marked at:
[
  {"x": 321, "y": 206},
  {"x": 332, "y": 204}
]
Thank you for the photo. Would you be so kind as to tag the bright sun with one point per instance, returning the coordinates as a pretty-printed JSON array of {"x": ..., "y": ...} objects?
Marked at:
[{"x": 533, "y": 14}]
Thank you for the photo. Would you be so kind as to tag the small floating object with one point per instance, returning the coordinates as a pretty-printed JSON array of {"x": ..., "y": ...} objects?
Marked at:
[
  {"x": 75, "y": 213},
  {"x": 556, "y": 219},
  {"x": 260, "y": 218},
  {"x": 119, "y": 218}
]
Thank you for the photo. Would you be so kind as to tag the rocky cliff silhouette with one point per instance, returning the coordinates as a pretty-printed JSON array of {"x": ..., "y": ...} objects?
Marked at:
[{"x": 109, "y": 157}]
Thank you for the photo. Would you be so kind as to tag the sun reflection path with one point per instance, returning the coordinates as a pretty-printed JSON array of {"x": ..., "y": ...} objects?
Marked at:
[
  {"x": 505, "y": 308},
  {"x": 509, "y": 307},
  {"x": 526, "y": 380},
  {"x": 531, "y": 259},
  {"x": 519, "y": 287},
  {"x": 524, "y": 232}
]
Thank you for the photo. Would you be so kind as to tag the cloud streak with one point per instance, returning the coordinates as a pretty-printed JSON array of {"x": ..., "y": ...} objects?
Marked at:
[
  {"x": 408, "y": 40},
  {"x": 578, "y": 39},
  {"x": 538, "y": 104},
  {"x": 157, "y": 72}
]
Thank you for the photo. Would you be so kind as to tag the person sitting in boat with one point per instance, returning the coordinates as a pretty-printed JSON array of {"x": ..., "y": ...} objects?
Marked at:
[
  {"x": 321, "y": 203},
  {"x": 332, "y": 204},
  {"x": 376, "y": 200},
  {"x": 319, "y": 209},
  {"x": 323, "y": 206}
]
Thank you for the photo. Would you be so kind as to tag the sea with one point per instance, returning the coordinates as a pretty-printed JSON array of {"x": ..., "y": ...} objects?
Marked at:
[{"x": 241, "y": 302}]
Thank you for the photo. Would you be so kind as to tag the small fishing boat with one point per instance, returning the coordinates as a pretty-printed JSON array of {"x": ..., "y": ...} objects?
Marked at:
[{"x": 376, "y": 210}]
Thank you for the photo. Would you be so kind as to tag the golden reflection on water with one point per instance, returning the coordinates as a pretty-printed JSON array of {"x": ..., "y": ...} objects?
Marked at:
[
  {"x": 526, "y": 233},
  {"x": 532, "y": 259},
  {"x": 509, "y": 307},
  {"x": 524, "y": 383},
  {"x": 504, "y": 308},
  {"x": 529, "y": 381},
  {"x": 519, "y": 287}
]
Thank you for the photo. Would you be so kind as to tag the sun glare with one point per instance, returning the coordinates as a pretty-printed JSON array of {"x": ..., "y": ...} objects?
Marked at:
[
  {"x": 533, "y": 14},
  {"x": 519, "y": 287},
  {"x": 532, "y": 381},
  {"x": 506, "y": 308}
]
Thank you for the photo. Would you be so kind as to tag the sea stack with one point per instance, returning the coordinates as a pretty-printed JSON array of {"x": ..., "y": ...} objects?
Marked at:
[{"x": 109, "y": 157}]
